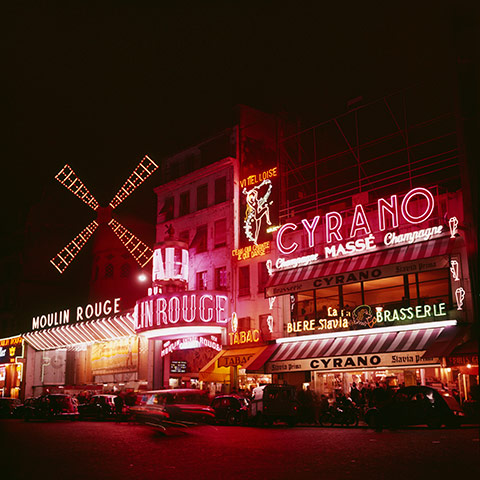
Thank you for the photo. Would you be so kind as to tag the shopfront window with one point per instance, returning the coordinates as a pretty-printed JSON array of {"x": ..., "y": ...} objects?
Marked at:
[
  {"x": 385, "y": 292},
  {"x": 426, "y": 288}
]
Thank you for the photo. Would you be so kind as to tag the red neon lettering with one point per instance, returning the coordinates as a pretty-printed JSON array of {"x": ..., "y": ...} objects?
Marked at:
[
  {"x": 310, "y": 228},
  {"x": 333, "y": 223},
  {"x": 286, "y": 250},
  {"x": 391, "y": 208},
  {"x": 360, "y": 221},
  {"x": 428, "y": 211},
  {"x": 221, "y": 302}
]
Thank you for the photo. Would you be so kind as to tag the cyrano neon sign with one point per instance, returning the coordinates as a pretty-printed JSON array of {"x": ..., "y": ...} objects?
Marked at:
[{"x": 414, "y": 208}]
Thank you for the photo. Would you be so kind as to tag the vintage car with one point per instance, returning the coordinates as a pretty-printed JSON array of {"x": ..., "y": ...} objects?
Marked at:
[
  {"x": 50, "y": 407},
  {"x": 231, "y": 409},
  {"x": 98, "y": 407},
  {"x": 417, "y": 405},
  {"x": 174, "y": 405},
  {"x": 274, "y": 403}
]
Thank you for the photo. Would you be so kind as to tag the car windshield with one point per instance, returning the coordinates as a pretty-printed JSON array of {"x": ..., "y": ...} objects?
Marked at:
[
  {"x": 60, "y": 401},
  {"x": 451, "y": 402}
]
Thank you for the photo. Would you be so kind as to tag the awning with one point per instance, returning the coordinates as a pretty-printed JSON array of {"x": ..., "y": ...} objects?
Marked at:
[
  {"x": 446, "y": 342},
  {"x": 102, "y": 330},
  {"x": 463, "y": 355},
  {"x": 295, "y": 276},
  {"x": 396, "y": 341},
  {"x": 218, "y": 369}
]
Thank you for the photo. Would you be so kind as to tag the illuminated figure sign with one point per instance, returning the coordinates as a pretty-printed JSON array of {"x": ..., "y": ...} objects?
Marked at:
[
  {"x": 460, "y": 297},
  {"x": 160, "y": 311},
  {"x": 259, "y": 210},
  {"x": 454, "y": 270},
  {"x": 453, "y": 225}
]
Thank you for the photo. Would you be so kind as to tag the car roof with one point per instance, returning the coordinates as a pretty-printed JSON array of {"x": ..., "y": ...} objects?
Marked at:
[{"x": 176, "y": 390}]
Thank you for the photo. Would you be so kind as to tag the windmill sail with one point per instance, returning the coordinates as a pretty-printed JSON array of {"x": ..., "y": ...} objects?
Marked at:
[
  {"x": 62, "y": 260},
  {"x": 141, "y": 252},
  {"x": 144, "y": 169},
  {"x": 68, "y": 178}
]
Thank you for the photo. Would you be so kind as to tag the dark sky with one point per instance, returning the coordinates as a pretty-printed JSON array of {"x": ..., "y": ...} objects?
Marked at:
[{"x": 100, "y": 86}]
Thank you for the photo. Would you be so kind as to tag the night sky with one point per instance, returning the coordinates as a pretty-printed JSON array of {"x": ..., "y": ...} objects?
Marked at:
[{"x": 99, "y": 87}]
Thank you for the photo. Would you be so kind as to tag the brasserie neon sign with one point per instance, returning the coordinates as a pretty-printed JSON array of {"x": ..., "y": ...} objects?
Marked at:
[{"x": 414, "y": 208}]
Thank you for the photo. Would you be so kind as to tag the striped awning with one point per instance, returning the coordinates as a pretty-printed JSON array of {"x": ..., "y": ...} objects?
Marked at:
[
  {"x": 398, "y": 341},
  {"x": 408, "y": 253},
  {"x": 81, "y": 333}
]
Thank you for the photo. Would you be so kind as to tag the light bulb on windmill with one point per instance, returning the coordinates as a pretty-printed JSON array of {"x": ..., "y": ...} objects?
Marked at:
[{"x": 141, "y": 252}]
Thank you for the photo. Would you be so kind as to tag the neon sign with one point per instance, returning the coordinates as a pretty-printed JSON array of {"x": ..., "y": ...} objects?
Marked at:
[
  {"x": 453, "y": 225},
  {"x": 160, "y": 311},
  {"x": 364, "y": 317},
  {"x": 454, "y": 270},
  {"x": 460, "y": 297},
  {"x": 89, "y": 312},
  {"x": 190, "y": 342},
  {"x": 252, "y": 251},
  {"x": 244, "y": 336},
  {"x": 416, "y": 207},
  {"x": 258, "y": 207}
]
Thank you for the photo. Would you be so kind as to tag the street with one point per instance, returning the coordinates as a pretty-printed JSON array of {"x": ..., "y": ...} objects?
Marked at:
[{"x": 95, "y": 450}]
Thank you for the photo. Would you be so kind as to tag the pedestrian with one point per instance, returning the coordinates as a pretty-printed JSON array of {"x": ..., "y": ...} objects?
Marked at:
[
  {"x": 118, "y": 401},
  {"x": 355, "y": 394}
]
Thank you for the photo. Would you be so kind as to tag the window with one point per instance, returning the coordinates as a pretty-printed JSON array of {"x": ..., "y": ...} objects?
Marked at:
[
  {"x": 326, "y": 298},
  {"x": 202, "y": 196},
  {"x": 125, "y": 270},
  {"x": 199, "y": 242},
  {"x": 385, "y": 291},
  {"x": 201, "y": 280},
  {"x": 262, "y": 276},
  {"x": 184, "y": 203},
  {"x": 221, "y": 278},
  {"x": 220, "y": 190},
  {"x": 244, "y": 281},
  {"x": 244, "y": 324},
  {"x": 429, "y": 287},
  {"x": 109, "y": 271},
  {"x": 220, "y": 233},
  {"x": 352, "y": 295},
  {"x": 168, "y": 207}
]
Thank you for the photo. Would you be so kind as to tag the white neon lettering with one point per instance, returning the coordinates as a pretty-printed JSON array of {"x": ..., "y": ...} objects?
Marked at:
[
  {"x": 360, "y": 222},
  {"x": 174, "y": 309},
  {"x": 428, "y": 210},
  {"x": 186, "y": 317},
  {"x": 391, "y": 208},
  {"x": 107, "y": 307},
  {"x": 209, "y": 316},
  {"x": 88, "y": 312},
  {"x": 162, "y": 311},
  {"x": 283, "y": 249},
  {"x": 220, "y": 303},
  {"x": 310, "y": 228},
  {"x": 333, "y": 223}
]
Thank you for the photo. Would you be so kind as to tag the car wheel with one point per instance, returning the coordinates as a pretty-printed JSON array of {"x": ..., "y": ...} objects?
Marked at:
[
  {"x": 232, "y": 419},
  {"x": 327, "y": 420}
]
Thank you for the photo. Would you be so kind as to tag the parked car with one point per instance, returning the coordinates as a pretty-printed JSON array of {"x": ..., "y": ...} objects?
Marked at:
[
  {"x": 99, "y": 407},
  {"x": 231, "y": 409},
  {"x": 51, "y": 406},
  {"x": 8, "y": 406},
  {"x": 20, "y": 409},
  {"x": 177, "y": 405},
  {"x": 271, "y": 403},
  {"x": 417, "y": 405}
]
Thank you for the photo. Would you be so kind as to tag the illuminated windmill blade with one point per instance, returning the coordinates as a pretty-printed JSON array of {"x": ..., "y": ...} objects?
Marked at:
[
  {"x": 144, "y": 169},
  {"x": 63, "y": 259},
  {"x": 68, "y": 178},
  {"x": 141, "y": 252}
]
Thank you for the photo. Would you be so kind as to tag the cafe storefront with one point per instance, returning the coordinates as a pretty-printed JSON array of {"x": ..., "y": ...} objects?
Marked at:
[{"x": 379, "y": 297}]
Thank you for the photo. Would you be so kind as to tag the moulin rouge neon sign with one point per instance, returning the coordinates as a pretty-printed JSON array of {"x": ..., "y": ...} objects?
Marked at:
[
  {"x": 414, "y": 208},
  {"x": 159, "y": 311}
]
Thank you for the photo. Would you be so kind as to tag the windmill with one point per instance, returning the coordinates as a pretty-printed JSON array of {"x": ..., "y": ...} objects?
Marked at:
[{"x": 141, "y": 252}]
